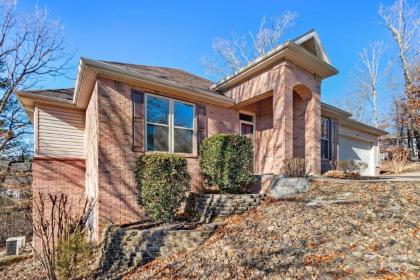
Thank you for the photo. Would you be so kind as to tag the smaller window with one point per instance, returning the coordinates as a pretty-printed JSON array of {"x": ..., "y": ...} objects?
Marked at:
[
  {"x": 247, "y": 118},
  {"x": 246, "y": 125},
  {"x": 333, "y": 140},
  {"x": 325, "y": 132}
]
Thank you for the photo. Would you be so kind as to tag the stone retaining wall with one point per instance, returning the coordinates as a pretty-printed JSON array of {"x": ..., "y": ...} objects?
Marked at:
[
  {"x": 125, "y": 248},
  {"x": 218, "y": 206}
]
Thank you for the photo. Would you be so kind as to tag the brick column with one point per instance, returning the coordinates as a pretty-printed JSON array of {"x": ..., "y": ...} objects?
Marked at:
[
  {"x": 313, "y": 135},
  {"x": 282, "y": 120}
]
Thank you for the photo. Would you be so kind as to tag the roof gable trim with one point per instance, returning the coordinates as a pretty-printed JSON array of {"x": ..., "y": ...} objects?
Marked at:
[{"x": 319, "y": 50}]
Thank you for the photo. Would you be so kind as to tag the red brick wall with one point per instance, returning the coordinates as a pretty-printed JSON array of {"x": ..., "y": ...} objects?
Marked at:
[
  {"x": 116, "y": 160},
  {"x": 299, "y": 113},
  {"x": 58, "y": 176}
]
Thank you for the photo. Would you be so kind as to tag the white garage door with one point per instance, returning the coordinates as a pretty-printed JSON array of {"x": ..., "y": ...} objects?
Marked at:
[{"x": 355, "y": 149}]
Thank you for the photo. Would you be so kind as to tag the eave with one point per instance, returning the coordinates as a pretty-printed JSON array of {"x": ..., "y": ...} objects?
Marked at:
[
  {"x": 334, "y": 112},
  {"x": 289, "y": 51},
  {"x": 356, "y": 125},
  {"x": 28, "y": 101},
  {"x": 90, "y": 70}
]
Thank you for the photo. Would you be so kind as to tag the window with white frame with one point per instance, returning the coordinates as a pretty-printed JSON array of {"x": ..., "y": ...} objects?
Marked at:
[{"x": 169, "y": 125}]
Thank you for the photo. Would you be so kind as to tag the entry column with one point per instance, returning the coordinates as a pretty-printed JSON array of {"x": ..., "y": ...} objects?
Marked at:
[{"x": 282, "y": 120}]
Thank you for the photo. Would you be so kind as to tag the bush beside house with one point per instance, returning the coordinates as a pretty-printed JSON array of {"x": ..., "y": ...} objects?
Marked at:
[
  {"x": 163, "y": 182},
  {"x": 226, "y": 161}
]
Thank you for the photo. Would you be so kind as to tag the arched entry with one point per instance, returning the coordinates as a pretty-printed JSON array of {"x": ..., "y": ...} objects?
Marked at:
[{"x": 301, "y": 96}]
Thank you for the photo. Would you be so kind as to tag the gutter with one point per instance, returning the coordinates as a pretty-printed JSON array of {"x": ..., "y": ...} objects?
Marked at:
[
  {"x": 368, "y": 128},
  {"x": 85, "y": 62},
  {"x": 334, "y": 110},
  {"x": 43, "y": 98}
]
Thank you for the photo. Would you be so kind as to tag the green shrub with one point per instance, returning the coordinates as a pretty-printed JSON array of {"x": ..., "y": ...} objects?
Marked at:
[
  {"x": 163, "y": 182},
  {"x": 226, "y": 161},
  {"x": 73, "y": 256}
]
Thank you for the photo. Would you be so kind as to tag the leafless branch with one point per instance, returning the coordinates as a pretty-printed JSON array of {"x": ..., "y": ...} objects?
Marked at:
[
  {"x": 31, "y": 48},
  {"x": 230, "y": 55},
  {"x": 55, "y": 220},
  {"x": 402, "y": 20}
]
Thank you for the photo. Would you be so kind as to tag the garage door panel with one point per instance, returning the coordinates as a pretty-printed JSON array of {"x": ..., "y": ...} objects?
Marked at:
[{"x": 358, "y": 150}]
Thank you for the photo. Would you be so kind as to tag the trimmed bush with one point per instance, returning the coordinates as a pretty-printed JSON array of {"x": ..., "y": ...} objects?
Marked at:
[
  {"x": 163, "y": 182},
  {"x": 226, "y": 161}
]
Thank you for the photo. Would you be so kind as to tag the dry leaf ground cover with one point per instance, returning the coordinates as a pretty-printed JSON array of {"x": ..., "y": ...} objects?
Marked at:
[{"x": 357, "y": 231}]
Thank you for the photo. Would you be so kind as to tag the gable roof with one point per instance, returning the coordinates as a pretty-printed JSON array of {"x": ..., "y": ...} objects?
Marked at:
[
  {"x": 311, "y": 42},
  {"x": 305, "y": 51}
]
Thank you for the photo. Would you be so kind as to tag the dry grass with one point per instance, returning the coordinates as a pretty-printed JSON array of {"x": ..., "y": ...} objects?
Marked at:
[{"x": 387, "y": 167}]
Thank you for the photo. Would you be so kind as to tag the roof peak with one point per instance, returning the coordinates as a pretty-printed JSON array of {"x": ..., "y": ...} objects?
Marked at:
[{"x": 312, "y": 43}]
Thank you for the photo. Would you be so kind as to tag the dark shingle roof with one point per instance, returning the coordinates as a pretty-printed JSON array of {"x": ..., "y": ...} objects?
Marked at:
[
  {"x": 61, "y": 94},
  {"x": 178, "y": 76}
]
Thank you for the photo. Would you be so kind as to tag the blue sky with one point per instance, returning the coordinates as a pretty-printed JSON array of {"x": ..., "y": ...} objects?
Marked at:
[{"x": 179, "y": 33}]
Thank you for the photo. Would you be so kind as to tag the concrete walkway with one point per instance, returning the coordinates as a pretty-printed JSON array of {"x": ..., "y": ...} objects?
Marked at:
[{"x": 405, "y": 177}]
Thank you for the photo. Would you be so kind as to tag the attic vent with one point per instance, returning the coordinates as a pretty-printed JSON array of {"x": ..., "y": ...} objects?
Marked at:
[{"x": 311, "y": 46}]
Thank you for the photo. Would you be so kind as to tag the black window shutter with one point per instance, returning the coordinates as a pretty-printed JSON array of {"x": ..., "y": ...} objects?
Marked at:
[
  {"x": 137, "y": 98},
  {"x": 201, "y": 125}
]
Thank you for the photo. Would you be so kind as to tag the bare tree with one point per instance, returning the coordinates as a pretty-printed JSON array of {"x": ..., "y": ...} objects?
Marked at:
[
  {"x": 55, "y": 221},
  {"x": 31, "y": 48},
  {"x": 402, "y": 20},
  {"x": 230, "y": 55},
  {"x": 14, "y": 129},
  {"x": 362, "y": 100},
  {"x": 371, "y": 74}
]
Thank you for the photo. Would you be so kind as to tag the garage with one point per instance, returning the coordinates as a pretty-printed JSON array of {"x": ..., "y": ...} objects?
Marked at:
[
  {"x": 358, "y": 150},
  {"x": 359, "y": 142}
]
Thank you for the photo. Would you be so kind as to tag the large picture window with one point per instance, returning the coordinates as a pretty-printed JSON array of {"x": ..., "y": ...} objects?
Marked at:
[
  {"x": 170, "y": 125},
  {"x": 325, "y": 134}
]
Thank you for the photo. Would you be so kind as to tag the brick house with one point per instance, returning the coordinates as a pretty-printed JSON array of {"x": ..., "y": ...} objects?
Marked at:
[{"x": 87, "y": 138}]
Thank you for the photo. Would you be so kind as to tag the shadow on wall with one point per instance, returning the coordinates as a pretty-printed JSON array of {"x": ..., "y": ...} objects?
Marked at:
[
  {"x": 264, "y": 138},
  {"x": 116, "y": 160}
]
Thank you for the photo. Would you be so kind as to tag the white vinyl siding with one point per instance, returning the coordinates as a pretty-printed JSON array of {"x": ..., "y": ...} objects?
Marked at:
[{"x": 60, "y": 132}]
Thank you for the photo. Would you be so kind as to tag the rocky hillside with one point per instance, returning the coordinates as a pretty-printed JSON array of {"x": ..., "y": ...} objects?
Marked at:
[
  {"x": 334, "y": 231},
  {"x": 360, "y": 231}
]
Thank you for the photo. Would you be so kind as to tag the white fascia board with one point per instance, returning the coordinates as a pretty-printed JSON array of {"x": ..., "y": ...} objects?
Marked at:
[{"x": 103, "y": 66}]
